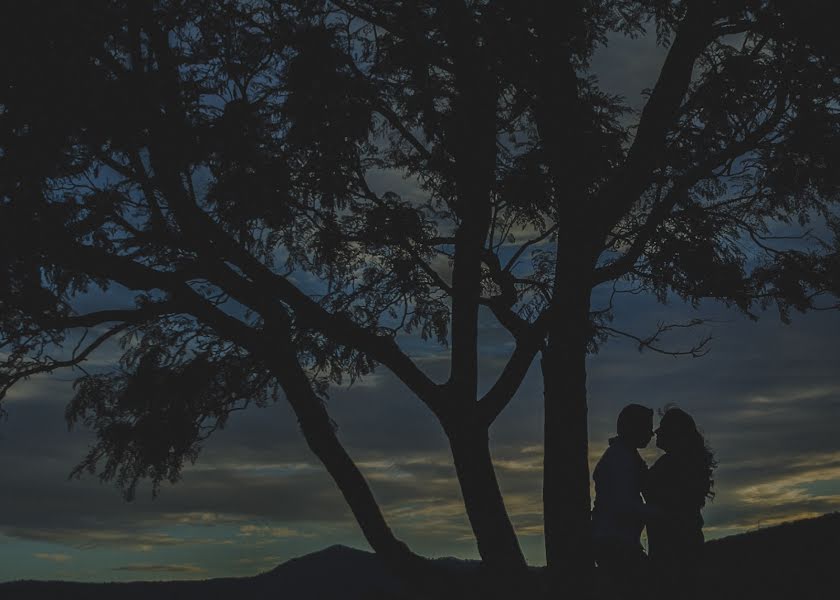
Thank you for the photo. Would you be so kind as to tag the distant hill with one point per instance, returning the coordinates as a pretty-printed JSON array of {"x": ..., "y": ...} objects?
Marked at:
[
  {"x": 794, "y": 561},
  {"x": 336, "y": 572}
]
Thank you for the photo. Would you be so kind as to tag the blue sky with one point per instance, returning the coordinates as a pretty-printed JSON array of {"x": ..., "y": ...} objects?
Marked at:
[{"x": 767, "y": 396}]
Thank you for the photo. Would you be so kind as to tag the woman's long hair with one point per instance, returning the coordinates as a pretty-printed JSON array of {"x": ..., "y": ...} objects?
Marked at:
[{"x": 687, "y": 441}]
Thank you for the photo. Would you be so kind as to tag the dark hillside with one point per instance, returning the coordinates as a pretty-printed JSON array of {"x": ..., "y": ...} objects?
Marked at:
[{"x": 794, "y": 561}]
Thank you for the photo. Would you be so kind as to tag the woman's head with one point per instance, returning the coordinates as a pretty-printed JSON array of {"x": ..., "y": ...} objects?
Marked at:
[
  {"x": 678, "y": 435},
  {"x": 677, "y": 431}
]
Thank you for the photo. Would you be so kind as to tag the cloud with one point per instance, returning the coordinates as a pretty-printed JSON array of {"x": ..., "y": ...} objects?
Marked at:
[
  {"x": 202, "y": 518},
  {"x": 175, "y": 568},
  {"x": 43, "y": 388},
  {"x": 274, "y": 532},
  {"x": 262, "y": 560},
  {"x": 798, "y": 485},
  {"x": 85, "y": 539},
  {"x": 784, "y": 398},
  {"x": 54, "y": 557}
]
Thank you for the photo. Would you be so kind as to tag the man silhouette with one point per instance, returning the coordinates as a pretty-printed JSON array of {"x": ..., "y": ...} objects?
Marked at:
[{"x": 620, "y": 513}]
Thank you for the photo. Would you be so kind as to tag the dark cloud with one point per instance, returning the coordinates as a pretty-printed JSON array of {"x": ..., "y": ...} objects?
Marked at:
[{"x": 626, "y": 66}]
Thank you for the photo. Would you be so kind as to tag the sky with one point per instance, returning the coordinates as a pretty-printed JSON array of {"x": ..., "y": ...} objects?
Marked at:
[{"x": 767, "y": 397}]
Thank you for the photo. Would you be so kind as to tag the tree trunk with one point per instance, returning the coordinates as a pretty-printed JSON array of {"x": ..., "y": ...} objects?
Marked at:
[
  {"x": 497, "y": 542},
  {"x": 319, "y": 432},
  {"x": 566, "y": 496},
  {"x": 427, "y": 578}
]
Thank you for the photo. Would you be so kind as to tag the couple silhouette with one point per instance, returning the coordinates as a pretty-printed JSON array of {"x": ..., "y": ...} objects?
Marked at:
[{"x": 666, "y": 498}]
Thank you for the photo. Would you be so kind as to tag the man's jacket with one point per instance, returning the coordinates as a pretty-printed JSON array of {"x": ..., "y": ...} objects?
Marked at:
[{"x": 620, "y": 513}]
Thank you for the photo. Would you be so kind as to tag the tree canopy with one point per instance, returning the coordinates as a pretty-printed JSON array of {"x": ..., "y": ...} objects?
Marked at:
[{"x": 224, "y": 161}]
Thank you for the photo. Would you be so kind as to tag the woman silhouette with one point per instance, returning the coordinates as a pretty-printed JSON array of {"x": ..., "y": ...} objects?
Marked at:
[{"x": 677, "y": 487}]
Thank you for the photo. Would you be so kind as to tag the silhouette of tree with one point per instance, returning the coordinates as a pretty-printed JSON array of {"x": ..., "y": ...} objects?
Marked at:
[{"x": 211, "y": 156}]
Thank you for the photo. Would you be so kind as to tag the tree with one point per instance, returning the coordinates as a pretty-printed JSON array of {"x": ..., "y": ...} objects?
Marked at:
[{"x": 205, "y": 154}]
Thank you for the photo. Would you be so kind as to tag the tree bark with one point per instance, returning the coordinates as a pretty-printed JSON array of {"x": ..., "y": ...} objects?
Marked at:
[{"x": 566, "y": 496}]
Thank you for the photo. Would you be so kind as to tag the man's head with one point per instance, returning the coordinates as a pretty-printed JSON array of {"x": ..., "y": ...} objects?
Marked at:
[{"x": 635, "y": 425}]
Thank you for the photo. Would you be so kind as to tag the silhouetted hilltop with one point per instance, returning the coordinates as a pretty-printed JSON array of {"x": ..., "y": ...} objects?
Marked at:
[
  {"x": 796, "y": 560},
  {"x": 335, "y": 572}
]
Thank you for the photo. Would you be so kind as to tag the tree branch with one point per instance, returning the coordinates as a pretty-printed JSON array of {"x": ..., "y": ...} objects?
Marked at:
[
  {"x": 202, "y": 233},
  {"x": 521, "y": 250},
  {"x": 699, "y": 349},
  {"x": 528, "y": 343},
  {"x": 407, "y": 135},
  {"x": 648, "y": 148},
  {"x": 131, "y": 316},
  {"x": 7, "y": 381},
  {"x": 660, "y": 212},
  {"x": 430, "y": 51}
]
